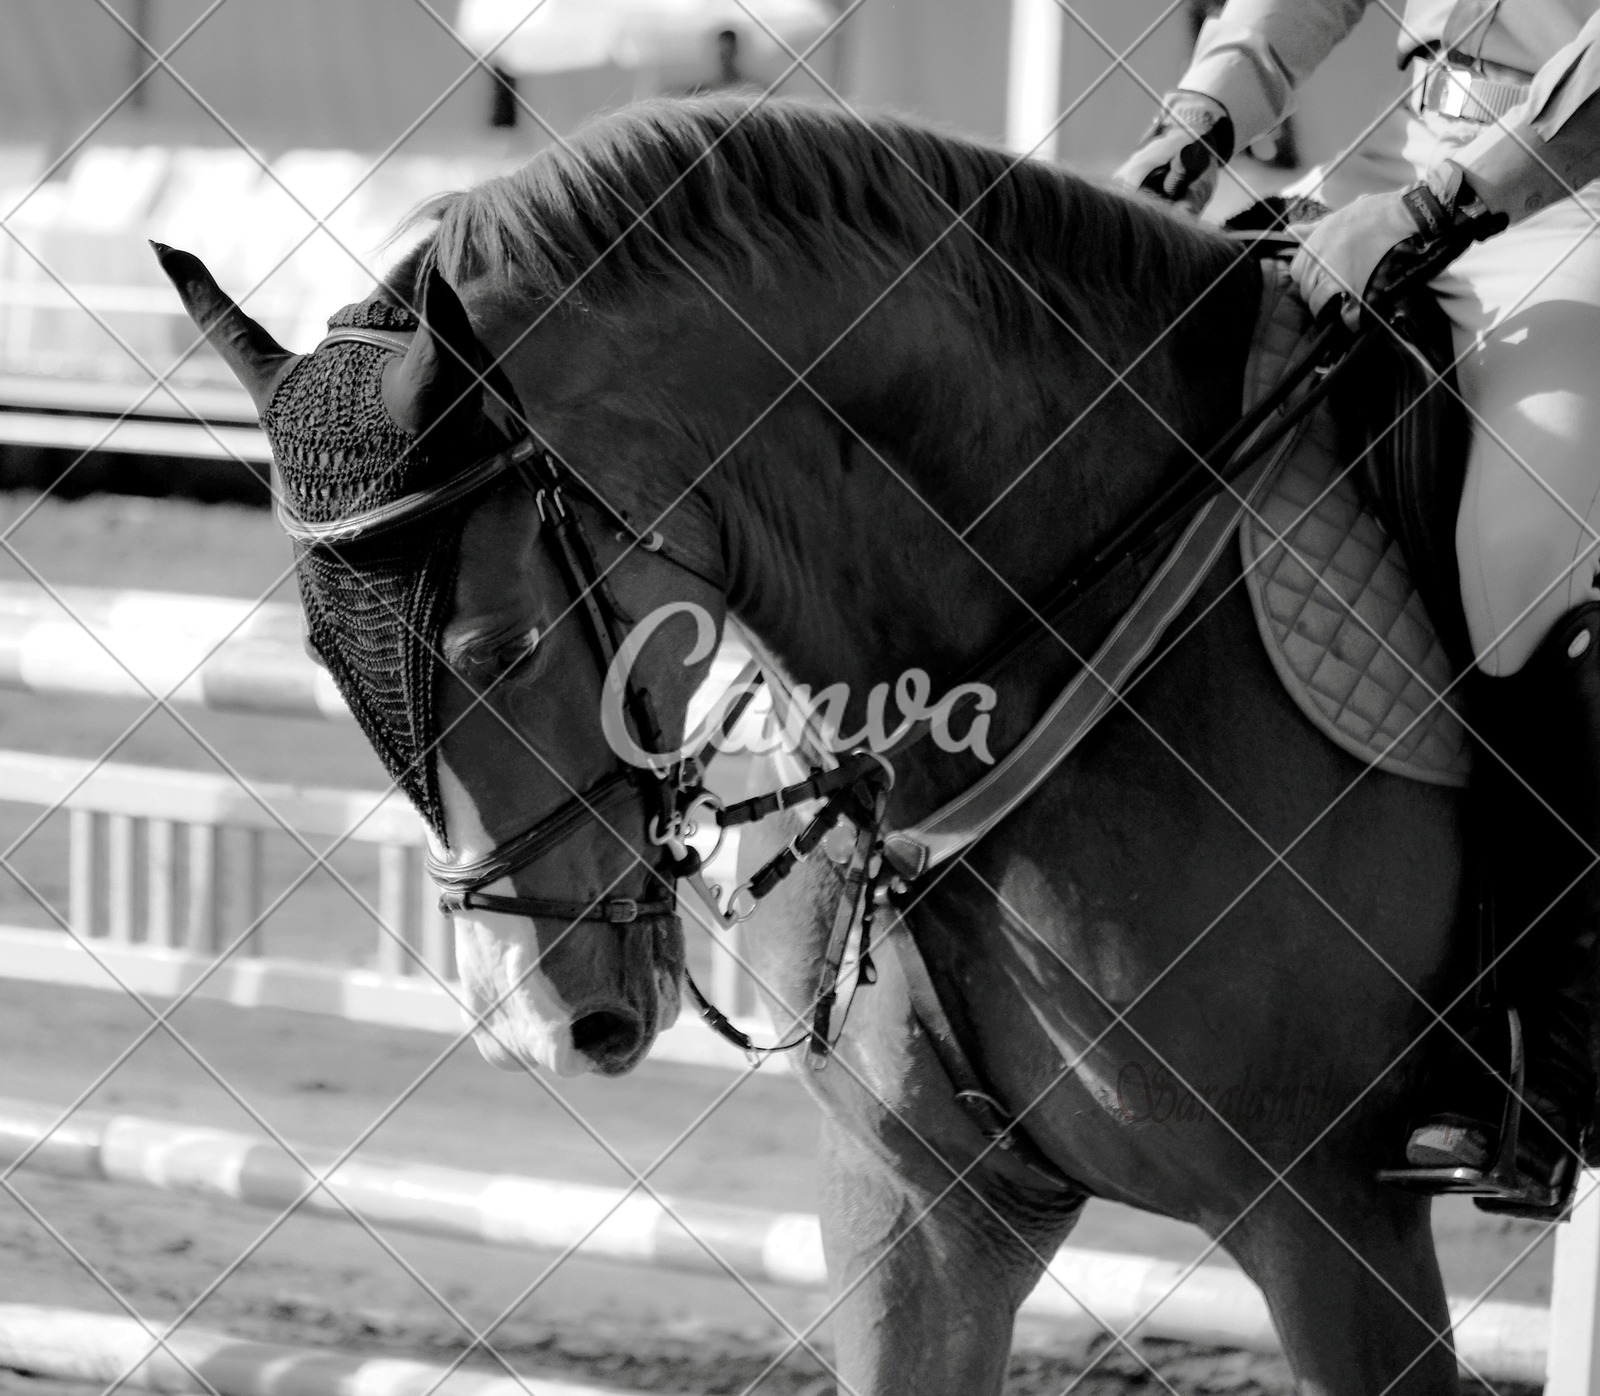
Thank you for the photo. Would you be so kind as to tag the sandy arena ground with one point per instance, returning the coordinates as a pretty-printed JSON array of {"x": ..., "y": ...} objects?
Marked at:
[{"x": 322, "y": 1082}]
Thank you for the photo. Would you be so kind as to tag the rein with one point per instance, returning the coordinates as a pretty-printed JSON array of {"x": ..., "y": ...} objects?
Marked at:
[{"x": 858, "y": 788}]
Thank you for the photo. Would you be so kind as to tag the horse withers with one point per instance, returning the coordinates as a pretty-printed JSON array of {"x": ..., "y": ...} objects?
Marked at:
[{"x": 872, "y": 390}]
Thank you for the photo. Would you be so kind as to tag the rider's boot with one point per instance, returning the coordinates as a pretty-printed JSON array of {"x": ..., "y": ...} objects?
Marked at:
[{"x": 1541, "y": 833}]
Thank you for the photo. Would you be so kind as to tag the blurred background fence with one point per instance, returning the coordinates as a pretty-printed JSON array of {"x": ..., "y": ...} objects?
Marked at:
[
  {"x": 285, "y": 147},
  {"x": 292, "y": 137}
]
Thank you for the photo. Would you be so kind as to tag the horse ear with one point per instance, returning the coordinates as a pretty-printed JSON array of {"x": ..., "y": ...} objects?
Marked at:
[
  {"x": 439, "y": 375},
  {"x": 258, "y": 361}
]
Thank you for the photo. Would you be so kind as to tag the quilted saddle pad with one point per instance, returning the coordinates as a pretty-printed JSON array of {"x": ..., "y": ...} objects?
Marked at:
[{"x": 1342, "y": 622}]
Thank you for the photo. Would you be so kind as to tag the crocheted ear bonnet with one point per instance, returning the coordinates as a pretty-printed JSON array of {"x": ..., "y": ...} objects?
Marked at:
[{"x": 374, "y": 611}]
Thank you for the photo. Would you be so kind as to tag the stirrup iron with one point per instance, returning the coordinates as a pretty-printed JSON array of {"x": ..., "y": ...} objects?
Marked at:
[{"x": 1496, "y": 1188}]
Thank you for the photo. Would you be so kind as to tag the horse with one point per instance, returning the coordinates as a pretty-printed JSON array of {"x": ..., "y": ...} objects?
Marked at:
[{"x": 871, "y": 390}]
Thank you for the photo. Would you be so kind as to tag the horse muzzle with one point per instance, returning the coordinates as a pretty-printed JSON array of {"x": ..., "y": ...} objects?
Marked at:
[{"x": 563, "y": 1016}]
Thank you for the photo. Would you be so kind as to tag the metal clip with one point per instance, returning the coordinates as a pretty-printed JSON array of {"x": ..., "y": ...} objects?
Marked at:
[
  {"x": 711, "y": 898},
  {"x": 701, "y": 812}
]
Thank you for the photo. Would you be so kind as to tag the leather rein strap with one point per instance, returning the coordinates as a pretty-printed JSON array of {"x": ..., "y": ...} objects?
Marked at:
[{"x": 1237, "y": 461}]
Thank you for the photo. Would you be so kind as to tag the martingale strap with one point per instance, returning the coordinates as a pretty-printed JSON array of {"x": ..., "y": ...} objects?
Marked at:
[{"x": 997, "y": 1124}]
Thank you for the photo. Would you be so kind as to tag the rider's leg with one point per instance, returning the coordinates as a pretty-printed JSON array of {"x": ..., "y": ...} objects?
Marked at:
[{"x": 1528, "y": 538}]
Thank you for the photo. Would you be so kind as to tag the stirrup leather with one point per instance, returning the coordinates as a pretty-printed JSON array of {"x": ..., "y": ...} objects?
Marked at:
[{"x": 1497, "y": 1188}]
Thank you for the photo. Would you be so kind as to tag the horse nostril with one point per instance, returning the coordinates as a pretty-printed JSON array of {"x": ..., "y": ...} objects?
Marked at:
[{"x": 606, "y": 1036}]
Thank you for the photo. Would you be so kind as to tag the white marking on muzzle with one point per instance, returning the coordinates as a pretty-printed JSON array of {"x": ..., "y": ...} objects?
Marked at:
[{"x": 529, "y": 1023}]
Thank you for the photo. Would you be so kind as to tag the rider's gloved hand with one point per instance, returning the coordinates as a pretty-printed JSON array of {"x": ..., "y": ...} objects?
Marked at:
[
  {"x": 1364, "y": 248},
  {"x": 1179, "y": 160}
]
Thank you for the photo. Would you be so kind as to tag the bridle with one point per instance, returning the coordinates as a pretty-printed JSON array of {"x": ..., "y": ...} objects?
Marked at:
[{"x": 856, "y": 789}]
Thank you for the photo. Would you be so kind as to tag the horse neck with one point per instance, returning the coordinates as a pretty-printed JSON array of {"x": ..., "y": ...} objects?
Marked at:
[{"x": 886, "y": 538}]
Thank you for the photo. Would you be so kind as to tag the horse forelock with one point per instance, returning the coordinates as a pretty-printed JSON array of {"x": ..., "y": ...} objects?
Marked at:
[{"x": 656, "y": 196}]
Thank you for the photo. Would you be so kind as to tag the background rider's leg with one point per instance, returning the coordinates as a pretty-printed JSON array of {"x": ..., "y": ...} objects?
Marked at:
[
  {"x": 1528, "y": 539},
  {"x": 1529, "y": 527},
  {"x": 931, "y": 1302}
]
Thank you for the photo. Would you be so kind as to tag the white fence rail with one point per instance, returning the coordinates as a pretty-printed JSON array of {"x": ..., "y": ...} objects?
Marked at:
[
  {"x": 114, "y": 1352},
  {"x": 205, "y": 651},
  {"x": 1083, "y": 1292},
  {"x": 193, "y": 832},
  {"x": 119, "y": 812},
  {"x": 150, "y": 851}
]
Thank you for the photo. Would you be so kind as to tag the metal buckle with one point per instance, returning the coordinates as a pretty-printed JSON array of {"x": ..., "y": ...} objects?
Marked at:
[{"x": 621, "y": 910}]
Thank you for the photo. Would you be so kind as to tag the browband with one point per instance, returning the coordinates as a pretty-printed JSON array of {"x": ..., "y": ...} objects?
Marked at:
[
  {"x": 386, "y": 518},
  {"x": 395, "y": 341},
  {"x": 371, "y": 523}
]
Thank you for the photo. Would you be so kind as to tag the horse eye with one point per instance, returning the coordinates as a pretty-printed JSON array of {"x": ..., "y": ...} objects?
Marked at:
[
  {"x": 493, "y": 661},
  {"x": 511, "y": 654}
]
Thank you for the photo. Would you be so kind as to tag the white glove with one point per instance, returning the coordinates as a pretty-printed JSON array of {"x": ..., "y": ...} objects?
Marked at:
[
  {"x": 1339, "y": 253},
  {"x": 1191, "y": 141},
  {"x": 1364, "y": 248}
]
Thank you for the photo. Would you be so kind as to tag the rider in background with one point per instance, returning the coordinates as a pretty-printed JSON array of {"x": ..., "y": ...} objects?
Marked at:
[{"x": 1500, "y": 138}]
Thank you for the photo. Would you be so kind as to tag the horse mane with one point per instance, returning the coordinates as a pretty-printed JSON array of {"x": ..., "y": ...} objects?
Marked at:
[{"x": 645, "y": 199}]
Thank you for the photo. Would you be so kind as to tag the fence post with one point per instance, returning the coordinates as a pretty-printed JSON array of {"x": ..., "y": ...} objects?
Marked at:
[
  {"x": 80, "y": 872},
  {"x": 119, "y": 878},
  {"x": 252, "y": 894},
  {"x": 393, "y": 867},
  {"x": 1572, "y": 1367},
  {"x": 1034, "y": 78},
  {"x": 159, "y": 871},
  {"x": 200, "y": 928}
]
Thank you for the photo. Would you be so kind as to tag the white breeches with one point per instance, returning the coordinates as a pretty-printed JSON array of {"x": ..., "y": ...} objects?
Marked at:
[{"x": 1525, "y": 307}]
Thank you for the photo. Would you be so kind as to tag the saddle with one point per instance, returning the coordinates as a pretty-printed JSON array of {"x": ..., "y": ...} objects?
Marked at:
[
  {"x": 1349, "y": 553},
  {"x": 1349, "y": 558}
]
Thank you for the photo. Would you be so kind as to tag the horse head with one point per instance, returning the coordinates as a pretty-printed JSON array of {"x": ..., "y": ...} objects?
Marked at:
[{"x": 482, "y": 642}]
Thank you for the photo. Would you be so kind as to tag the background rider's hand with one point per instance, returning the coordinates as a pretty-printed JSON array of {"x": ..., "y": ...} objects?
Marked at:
[
  {"x": 1364, "y": 248},
  {"x": 1179, "y": 161}
]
